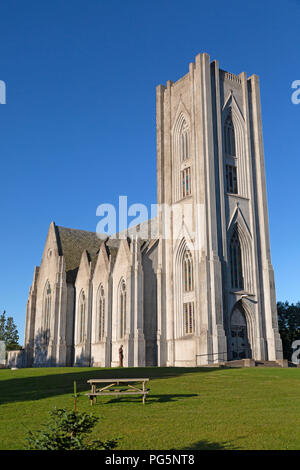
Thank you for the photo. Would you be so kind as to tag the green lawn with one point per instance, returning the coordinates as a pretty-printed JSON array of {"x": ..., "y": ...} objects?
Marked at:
[{"x": 250, "y": 408}]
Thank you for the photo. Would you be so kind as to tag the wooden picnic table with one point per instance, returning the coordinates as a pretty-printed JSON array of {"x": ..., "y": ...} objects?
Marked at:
[{"x": 118, "y": 387}]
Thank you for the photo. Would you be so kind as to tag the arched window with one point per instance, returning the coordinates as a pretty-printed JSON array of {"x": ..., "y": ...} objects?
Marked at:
[
  {"x": 82, "y": 308},
  {"x": 101, "y": 313},
  {"x": 230, "y": 154},
  {"x": 188, "y": 272},
  {"x": 185, "y": 155},
  {"x": 229, "y": 136},
  {"x": 181, "y": 154},
  {"x": 184, "y": 142},
  {"x": 47, "y": 312},
  {"x": 122, "y": 308},
  {"x": 188, "y": 296},
  {"x": 237, "y": 281},
  {"x": 184, "y": 291}
]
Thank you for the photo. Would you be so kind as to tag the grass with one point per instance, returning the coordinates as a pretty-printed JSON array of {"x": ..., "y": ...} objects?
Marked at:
[{"x": 187, "y": 409}]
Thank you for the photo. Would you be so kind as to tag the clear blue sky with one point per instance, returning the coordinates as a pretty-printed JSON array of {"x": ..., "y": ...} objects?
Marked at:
[{"x": 78, "y": 128}]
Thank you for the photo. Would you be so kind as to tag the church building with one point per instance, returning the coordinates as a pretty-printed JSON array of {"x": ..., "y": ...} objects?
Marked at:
[{"x": 192, "y": 286}]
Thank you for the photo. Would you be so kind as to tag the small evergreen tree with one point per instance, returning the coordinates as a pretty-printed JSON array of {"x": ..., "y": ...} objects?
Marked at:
[
  {"x": 67, "y": 430},
  {"x": 289, "y": 326},
  {"x": 12, "y": 335},
  {"x": 2, "y": 326},
  {"x": 9, "y": 332}
]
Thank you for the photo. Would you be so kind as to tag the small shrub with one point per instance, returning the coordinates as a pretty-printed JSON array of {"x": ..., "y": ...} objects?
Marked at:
[{"x": 67, "y": 430}]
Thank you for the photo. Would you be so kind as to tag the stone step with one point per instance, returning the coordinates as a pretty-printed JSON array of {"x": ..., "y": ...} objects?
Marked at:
[
  {"x": 240, "y": 363},
  {"x": 267, "y": 364},
  {"x": 253, "y": 363}
]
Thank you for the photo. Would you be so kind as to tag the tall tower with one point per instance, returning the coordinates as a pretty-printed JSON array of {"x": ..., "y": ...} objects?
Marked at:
[{"x": 216, "y": 293}]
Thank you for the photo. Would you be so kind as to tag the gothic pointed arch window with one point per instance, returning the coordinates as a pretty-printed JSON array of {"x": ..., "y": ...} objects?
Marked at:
[
  {"x": 122, "y": 308},
  {"x": 184, "y": 141},
  {"x": 188, "y": 293},
  {"x": 185, "y": 174},
  {"x": 82, "y": 312},
  {"x": 236, "y": 268},
  {"x": 230, "y": 155},
  {"x": 101, "y": 313},
  {"x": 230, "y": 149},
  {"x": 181, "y": 145},
  {"x": 47, "y": 312},
  {"x": 188, "y": 272},
  {"x": 184, "y": 291}
]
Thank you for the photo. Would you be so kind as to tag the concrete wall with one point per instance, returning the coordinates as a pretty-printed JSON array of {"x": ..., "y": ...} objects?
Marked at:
[{"x": 16, "y": 359}]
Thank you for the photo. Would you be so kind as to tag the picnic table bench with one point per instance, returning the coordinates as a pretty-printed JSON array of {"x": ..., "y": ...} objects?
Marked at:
[{"x": 117, "y": 387}]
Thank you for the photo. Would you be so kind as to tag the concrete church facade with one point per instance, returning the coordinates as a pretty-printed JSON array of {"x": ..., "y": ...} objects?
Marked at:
[{"x": 191, "y": 287}]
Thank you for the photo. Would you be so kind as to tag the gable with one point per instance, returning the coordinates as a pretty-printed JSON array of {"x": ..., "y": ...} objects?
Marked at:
[
  {"x": 123, "y": 257},
  {"x": 72, "y": 244}
]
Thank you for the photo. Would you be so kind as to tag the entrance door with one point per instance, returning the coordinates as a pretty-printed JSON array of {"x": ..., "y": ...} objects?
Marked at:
[{"x": 240, "y": 347}]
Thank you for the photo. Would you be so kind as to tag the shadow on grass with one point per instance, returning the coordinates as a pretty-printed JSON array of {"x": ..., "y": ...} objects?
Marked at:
[
  {"x": 168, "y": 397},
  {"x": 37, "y": 387},
  {"x": 149, "y": 400},
  {"x": 206, "y": 445}
]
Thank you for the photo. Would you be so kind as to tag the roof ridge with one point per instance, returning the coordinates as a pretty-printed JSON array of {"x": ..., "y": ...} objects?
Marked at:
[{"x": 76, "y": 229}]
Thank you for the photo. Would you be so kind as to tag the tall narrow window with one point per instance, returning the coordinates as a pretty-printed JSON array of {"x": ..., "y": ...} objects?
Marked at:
[
  {"x": 237, "y": 281},
  {"x": 82, "y": 307},
  {"x": 181, "y": 157},
  {"x": 188, "y": 272},
  {"x": 230, "y": 155},
  {"x": 189, "y": 322},
  {"x": 188, "y": 293},
  {"x": 101, "y": 313},
  {"x": 186, "y": 182},
  {"x": 122, "y": 313},
  {"x": 231, "y": 179},
  {"x": 229, "y": 136},
  {"x": 47, "y": 312},
  {"x": 184, "y": 142}
]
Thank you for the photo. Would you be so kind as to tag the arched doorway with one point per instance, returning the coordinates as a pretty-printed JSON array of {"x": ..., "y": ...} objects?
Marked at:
[{"x": 239, "y": 340}]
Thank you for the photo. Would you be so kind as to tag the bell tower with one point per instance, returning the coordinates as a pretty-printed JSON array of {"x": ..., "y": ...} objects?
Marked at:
[{"x": 214, "y": 253}]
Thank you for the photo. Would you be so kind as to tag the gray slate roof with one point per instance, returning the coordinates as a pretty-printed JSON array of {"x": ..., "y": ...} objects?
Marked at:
[{"x": 73, "y": 242}]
